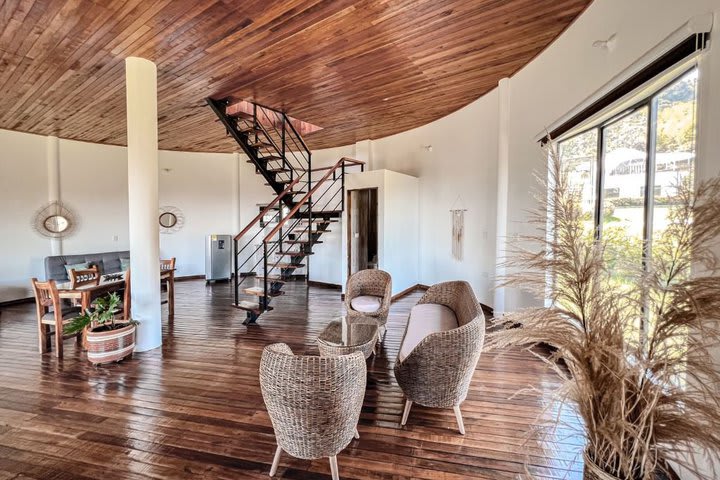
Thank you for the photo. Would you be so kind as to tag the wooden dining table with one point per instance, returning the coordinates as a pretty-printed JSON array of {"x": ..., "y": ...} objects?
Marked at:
[{"x": 108, "y": 284}]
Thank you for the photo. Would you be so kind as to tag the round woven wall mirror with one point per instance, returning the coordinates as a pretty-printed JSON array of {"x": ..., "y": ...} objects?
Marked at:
[
  {"x": 54, "y": 220},
  {"x": 56, "y": 224},
  {"x": 168, "y": 220},
  {"x": 171, "y": 219}
]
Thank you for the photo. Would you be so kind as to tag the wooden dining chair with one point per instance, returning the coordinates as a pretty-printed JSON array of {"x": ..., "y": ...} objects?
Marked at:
[
  {"x": 167, "y": 265},
  {"x": 86, "y": 276},
  {"x": 126, "y": 297},
  {"x": 167, "y": 275},
  {"x": 50, "y": 313}
]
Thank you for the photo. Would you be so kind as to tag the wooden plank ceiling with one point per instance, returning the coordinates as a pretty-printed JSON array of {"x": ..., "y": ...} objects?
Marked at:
[{"x": 359, "y": 69}]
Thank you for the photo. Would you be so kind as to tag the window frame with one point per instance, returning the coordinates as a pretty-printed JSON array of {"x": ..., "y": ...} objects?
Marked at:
[{"x": 649, "y": 101}]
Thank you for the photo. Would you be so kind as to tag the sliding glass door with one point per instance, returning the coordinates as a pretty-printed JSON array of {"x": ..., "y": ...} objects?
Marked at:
[{"x": 628, "y": 170}]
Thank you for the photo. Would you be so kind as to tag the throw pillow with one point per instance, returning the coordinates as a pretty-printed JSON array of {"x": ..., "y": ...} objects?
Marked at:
[{"x": 76, "y": 266}]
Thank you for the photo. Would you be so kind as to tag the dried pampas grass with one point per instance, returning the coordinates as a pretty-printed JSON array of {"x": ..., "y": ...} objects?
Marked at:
[{"x": 645, "y": 399}]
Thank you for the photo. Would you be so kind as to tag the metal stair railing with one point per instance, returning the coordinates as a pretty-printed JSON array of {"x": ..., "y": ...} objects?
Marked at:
[
  {"x": 268, "y": 137},
  {"x": 237, "y": 266},
  {"x": 271, "y": 244}
]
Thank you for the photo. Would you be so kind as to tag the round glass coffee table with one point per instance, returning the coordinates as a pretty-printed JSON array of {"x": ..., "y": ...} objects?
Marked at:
[{"x": 341, "y": 337}]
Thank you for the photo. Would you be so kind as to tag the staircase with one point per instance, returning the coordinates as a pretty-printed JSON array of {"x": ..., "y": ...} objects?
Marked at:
[{"x": 279, "y": 241}]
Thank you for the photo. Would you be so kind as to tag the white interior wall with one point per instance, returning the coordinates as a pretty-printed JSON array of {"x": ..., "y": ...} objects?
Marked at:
[
  {"x": 217, "y": 193},
  {"x": 398, "y": 225},
  {"x": 201, "y": 186},
  {"x": 23, "y": 190},
  {"x": 325, "y": 264},
  {"x": 93, "y": 182},
  {"x": 401, "y": 228},
  {"x": 571, "y": 70},
  {"x": 459, "y": 172}
]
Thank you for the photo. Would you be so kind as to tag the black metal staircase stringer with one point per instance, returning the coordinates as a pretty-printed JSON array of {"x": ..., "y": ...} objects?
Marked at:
[{"x": 219, "y": 106}]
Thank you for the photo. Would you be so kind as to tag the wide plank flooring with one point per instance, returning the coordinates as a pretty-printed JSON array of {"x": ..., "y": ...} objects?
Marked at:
[{"x": 193, "y": 409}]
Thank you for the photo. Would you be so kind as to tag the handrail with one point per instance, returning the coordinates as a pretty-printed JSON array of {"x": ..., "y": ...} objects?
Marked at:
[
  {"x": 266, "y": 209},
  {"x": 304, "y": 200},
  {"x": 351, "y": 161}
]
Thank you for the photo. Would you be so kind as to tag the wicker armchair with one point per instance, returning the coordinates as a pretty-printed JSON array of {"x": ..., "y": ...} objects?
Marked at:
[
  {"x": 369, "y": 283},
  {"x": 314, "y": 402},
  {"x": 438, "y": 371}
]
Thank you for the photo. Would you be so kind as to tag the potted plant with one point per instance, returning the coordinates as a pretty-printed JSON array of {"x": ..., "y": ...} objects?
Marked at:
[
  {"x": 632, "y": 344},
  {"x": 107, "y": 340}
]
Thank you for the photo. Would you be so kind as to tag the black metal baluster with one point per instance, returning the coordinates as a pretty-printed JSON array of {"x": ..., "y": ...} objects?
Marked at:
[{"x": 235, "y": 269}]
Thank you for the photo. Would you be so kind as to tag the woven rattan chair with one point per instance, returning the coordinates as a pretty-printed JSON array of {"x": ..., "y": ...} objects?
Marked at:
[
  {"x": 438, "y": 371},
  {"x": 369, "y": 283},
  {"x": 314, "y": 402}
]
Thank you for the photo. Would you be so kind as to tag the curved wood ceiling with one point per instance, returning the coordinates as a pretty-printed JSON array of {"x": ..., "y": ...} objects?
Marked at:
[{"x": 359, "y": 69}]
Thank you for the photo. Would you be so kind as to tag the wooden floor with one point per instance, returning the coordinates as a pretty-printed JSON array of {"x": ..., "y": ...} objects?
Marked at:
[{"x": 193, "y": 409}]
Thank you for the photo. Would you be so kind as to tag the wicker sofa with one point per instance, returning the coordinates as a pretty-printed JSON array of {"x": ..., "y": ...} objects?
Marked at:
[
  {"x": 440, "y": 349},
  {"x": 368, "y": 294},
  {"x": 314, "y": 402}
]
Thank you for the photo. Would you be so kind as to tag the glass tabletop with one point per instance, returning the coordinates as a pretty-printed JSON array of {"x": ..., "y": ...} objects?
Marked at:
[{"x": 343, "y": 333}]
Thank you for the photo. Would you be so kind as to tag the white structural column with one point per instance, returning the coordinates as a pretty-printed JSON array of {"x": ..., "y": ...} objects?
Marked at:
[
  {"x": 52, "y": 155},
  {"x": 501, "y": 224},
  {"x": 142, "y": 140}
]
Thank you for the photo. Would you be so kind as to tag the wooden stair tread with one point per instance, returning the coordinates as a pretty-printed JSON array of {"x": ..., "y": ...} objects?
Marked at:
[
  {"x": 249, "y": 306},
  {"x": 240, "y": 114},
  {"x": 322, "y": 220},
  {"x": 293, "y": 242},
  {"x": 269, "y": 158},
  {"x": 260, "y": 292},
  {"x": 287, "y": 265},
  {"x": 280, "y": 180},
  {"x": 260, "y": 144},
  {"x": 272, "y": 279},
  {"x": 294, "y": 254},
  {"x": 249, "y": 128},
  {"x": 278, "y": 170}
]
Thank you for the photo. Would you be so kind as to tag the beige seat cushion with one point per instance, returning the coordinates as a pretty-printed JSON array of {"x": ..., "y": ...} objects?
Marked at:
[
  {"x": 366, "y": 303},
  {"x": 425, "y": 319},
  {"x": 68, "y": 314}
]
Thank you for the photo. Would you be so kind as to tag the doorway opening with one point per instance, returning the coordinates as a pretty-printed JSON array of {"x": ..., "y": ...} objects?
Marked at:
[{"x": 363, "y": 229}]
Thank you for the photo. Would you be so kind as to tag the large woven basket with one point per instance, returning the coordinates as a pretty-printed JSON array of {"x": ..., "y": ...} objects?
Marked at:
[
  {"x": 592, "y": 472},
  {"x": 110, "y": 346}
]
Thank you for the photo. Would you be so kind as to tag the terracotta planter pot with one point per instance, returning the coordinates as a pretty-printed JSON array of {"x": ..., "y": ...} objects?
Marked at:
[
  {"x": 592, "y": 472},
  {"x": 110, "y": 345}
]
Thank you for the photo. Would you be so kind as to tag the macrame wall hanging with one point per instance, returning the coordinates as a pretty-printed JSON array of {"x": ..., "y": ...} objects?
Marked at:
[{"x": 458, "y": 228}]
